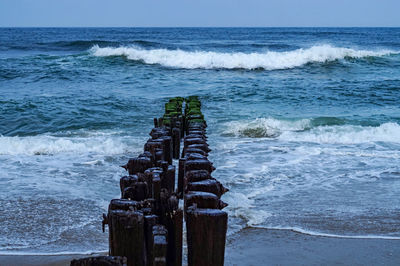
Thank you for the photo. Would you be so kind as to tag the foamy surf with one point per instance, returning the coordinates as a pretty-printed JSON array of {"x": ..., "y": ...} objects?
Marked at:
[
  {"x": 303, "y": 130},
  {"x": 16, "y": 253},
  {"x": 315, "y": 233},
  {"x": 47, "y": 145},
  {"x": 242, "y": 207},
  {"x": 264, "y": 127},
  {"x": 346, "y": 134},
  {"x": 269, "y": 60}
]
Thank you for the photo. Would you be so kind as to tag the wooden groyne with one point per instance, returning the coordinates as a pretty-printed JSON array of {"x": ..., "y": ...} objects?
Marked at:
[{"x": 145, "y": 225}]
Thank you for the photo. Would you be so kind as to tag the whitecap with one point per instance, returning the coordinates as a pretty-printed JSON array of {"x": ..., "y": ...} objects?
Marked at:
[
  {"x": 264, "y": 127},
  {"x": 49, "y": 145},
  {"x": 346, "y": 134},
  {"x": 269, "y": 60}
]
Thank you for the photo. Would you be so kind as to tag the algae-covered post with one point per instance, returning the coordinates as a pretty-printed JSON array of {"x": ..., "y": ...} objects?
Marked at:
[{"x": 206, "y": 224}]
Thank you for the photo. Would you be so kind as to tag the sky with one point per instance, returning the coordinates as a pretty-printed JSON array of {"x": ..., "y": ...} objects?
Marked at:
[{"x": 200, "y": 13}]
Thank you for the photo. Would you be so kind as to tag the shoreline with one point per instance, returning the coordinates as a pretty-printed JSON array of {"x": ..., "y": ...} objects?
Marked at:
[{"x": 259, "y": 246}]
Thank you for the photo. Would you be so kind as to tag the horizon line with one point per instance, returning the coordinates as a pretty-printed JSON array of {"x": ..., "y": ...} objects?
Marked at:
[{"x": 199, "y": 26}]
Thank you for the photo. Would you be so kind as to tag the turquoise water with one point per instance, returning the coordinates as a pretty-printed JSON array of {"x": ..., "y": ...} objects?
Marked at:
[{"x": 304, "y": 124}]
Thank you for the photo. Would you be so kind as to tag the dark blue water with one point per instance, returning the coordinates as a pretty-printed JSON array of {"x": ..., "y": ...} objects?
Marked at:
[{"x": 304, "y": 124}]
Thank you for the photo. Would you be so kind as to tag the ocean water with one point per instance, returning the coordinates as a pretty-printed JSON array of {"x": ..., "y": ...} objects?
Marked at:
[{"x": 304, "y": 124}]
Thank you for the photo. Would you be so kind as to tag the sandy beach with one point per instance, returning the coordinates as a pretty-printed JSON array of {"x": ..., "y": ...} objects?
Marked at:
[
  {"x": 274, "y": 247},
  {"x": 283, "y": 247}
]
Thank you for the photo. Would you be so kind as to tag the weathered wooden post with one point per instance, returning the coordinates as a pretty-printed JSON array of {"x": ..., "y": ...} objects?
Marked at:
[
  {"x": 174, "y": 225},
  {"x": 204, "y": 200},
  {"x": 181, "y": 175},
  {"x": 176, "y": 140},
  {"x": 168, "y": 177},
  {"x": 138, "y": 165},
  {"x": 167, "y": 142},
  {"x": 136, "y": 191},
  {"x": 127, "y": 181},
  {"x": 127, "y": 229},
  {"x": 206, "y": 236},
  {"x": 149, "y": 222},
  {"x": 160, "y": 243},
  {"x": 208, "y": 185}
]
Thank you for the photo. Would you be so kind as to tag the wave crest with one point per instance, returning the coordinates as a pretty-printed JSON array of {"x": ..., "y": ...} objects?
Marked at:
[
  {"x": 317, "y": 130},
  {"x": 270, "y": 60},
  {"x": 48, "y": 145},
  {"x": 264, "y": 127},
  {"x": 347, "y": 134}
]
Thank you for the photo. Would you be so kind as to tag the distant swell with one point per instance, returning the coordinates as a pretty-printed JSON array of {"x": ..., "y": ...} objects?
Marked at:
[
  {"x": 82, "y": 43},
  {"x": 214, "y": 60}
]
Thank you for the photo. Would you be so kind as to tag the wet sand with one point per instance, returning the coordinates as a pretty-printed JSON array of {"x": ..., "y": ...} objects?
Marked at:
[
  {"x": 29, "y": 260},
  {"x": 284, "y": 247},
  {"x": 274, "y": 247}
]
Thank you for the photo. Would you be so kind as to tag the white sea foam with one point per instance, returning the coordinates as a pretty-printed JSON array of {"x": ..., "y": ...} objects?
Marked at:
[
  {"x": 23, "y": 253},
  {"x": 45, "y": 145},
  {"x": 346, "y": 134},
  {"x": 269, "y": 60},
  {"x": 265, "y": 127},
  {"x": 240, "y": 206},
  {"x": 303, "y": 131},
  {"x": 315, "y": 233}
]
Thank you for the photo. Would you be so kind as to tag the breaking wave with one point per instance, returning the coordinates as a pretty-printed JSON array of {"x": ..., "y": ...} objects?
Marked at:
[
  {"x": 312, "y": 130},
  {"x": 264, "y": 127},
  {"x": 269, "y": 60},
  {"x": 48, "y": 145}
]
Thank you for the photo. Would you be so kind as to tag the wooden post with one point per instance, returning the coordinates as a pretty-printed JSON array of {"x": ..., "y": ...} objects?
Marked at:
[
  {"x": 127, "y": 228},
  {"x": 136, "y": 191},
  {"x": 175, "y": 231},
  {"x": 197, "y": 175},
  {"x": 191, "y": 141},
  {"x": 203, "y": 200},
  {"x": 149, "y": 173},
  {"x": 160, "y": 243},
  {"x": 200, "y": 164},
  {"x": 206, "y": 235},
  {"x": 176, "y": 139},
  {"x": 195, "y": 150},
  {"x": 181, "y": 175},
  {"x": 208, "y": 185},
  {"x": 138, "y": 165},
  {"x": 118, "y": 204},
  {"x": 202, "y": 147},
  {"x": 167, "y": 142},
  {"x": 149, "y": 222},
  {"x": 168, "y": 177},
  {"x": 127, "y": 181}
]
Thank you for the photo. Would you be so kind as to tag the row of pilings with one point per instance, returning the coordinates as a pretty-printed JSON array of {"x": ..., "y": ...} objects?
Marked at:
[{"x": 146, "y": 224}]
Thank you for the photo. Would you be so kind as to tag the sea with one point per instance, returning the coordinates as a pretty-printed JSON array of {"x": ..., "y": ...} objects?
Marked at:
[{"x": 303, "y": 123}]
